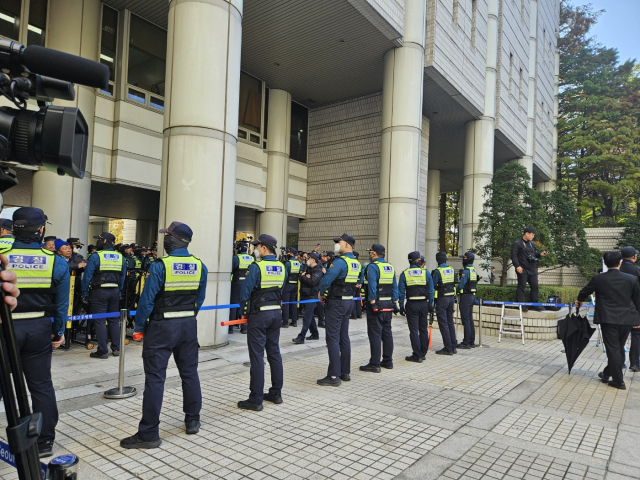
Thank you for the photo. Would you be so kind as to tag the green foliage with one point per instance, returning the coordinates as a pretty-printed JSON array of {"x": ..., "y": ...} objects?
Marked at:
[
  {"x": 598, "y": 124},
  {"x": 508, "y": 293},
  {"x": 631, "y": 233},
  {"x": 452, "y": 222}
]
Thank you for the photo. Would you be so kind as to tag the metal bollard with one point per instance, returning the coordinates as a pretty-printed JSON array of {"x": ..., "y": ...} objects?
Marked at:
[
  {"x": 121, "y": 391},
  {"x": 64, "y": 467},
  {"x": 480, "y": 323}
]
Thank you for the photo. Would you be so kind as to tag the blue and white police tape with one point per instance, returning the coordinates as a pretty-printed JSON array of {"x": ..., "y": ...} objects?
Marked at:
[
  {"x": 524, "y": 304},
  {"x": 10, "y": 458}
]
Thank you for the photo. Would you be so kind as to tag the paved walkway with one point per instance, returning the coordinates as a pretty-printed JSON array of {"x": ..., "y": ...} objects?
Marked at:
[{"x": 508, "y": 411}]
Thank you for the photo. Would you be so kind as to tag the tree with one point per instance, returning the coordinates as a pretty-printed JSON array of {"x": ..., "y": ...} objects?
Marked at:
[
  {"x": 598, "y": 124},
  {"x": 510, "y": 206},
  {"x": 631, "y": 234}
]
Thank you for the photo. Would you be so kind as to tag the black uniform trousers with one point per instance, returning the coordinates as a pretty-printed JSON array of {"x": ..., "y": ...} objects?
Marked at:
[
  {"x": 615, "y": 337},
  {"x": 465, "y": 306},
  {"x": 380, "y": 337},
  {"x": 236, "y": 288},
  {"x": 106, "y": 300},
  {"x": 634, "y": 351},
  {"x": 530, "y": 277},
  {"x": 33, "y": 340},
  {"x": 336, "y": 320},
  {"x": 308, "y": 322},
  {"x": 444, "y": 311},
  {"x": 356, "y": 311},
  {"x": 320, "y": 309},
  {"x": 162, "y": 338},
  {"x": 290, "y": 294},
  {"x": 263, "y": 332},
  {"x": 417, "y": 312}
]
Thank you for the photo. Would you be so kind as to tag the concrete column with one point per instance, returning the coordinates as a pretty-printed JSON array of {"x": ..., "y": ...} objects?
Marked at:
[
  {"x": 401, "y": 139},
  {"x": 74, "y": 27},
  {"x": 461, "y": 241},
  {"x": 433, "y": 216},
  {"x": 273, "y": 221},
  {"x": 200, "y": 137},
  {"x": 480, "y": 138},
  {"x": 550, "y": 185}
]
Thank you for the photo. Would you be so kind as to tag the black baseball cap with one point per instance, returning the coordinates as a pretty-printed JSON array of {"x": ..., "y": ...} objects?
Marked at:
[
  {"x": 468, "y": 256},
  {"x": 28, "y": 217},
  {"x": 315, "y": 256},
  {"x": 293, "y": 250},
  {"x": 376, "y": 247},
  {"x": 107, "y": 237},
  {"x": 413, "y": 256},
  {"x": 7, "y": 224},
  {"x": 356, "y": 254},
  {"x": 75, "y": 241},
  {"x": 178, "y": 230},
  {"x": 441, "y": 257},
  {"x": 267, "y": 240},
  {"x": 347, "y": 238},
  {"x": 628, "y": 252}
]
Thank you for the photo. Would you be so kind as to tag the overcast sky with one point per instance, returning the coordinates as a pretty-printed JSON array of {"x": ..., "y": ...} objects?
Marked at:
[{"x": 618, "y": 25}]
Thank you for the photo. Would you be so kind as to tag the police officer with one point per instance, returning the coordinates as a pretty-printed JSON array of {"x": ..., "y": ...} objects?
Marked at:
[
  {"x": 629, "y": 257},
  {"x": 239, "y": 266},
  {"x": 260, "y": 300},
  {"x": 309, "y": 289},
  {"x": 444, "y": 279},
  {"x": 416, "y": 285},
  {"x": 170, "y": 300},
  {"x": 320, "y": 307},
  {"x": 356, "y": 312},
  {"x": 467, "y": 291},
  {"x": 382, "y": 294},
  {"x": 43, "y": 279},
  {"x": 338, "y": 287},
  {"x": 103, "y": 280},
  {"x": 6, "y": 235},
  {"x": 290, "y": 292}
]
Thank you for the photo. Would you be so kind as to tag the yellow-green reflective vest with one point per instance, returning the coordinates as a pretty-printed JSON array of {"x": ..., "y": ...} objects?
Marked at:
[
  {"x": 446, "y": 285},
  {"x": 385, "y": 282},
  {"x": 472, "y": 283},
  {"x": 416, "y": 283},
  {"x": 345, "y": 288},
  {"x": 109, "y": 272},
  {"x": 240, "y": 273},
  {"x": 294, "y": 271},
  {"x": 34, "y": 269},
  {"x": 178, "y": 296},
  {"x": 269, "y": 295},
  {"x": 6, "y": 243}
]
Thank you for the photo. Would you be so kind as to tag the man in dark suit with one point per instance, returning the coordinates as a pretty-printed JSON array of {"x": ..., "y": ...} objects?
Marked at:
[
  {"x": 629, "y": 257},
  {"x": 617, "y": 311},
  {"x": 524, "y": 257}
]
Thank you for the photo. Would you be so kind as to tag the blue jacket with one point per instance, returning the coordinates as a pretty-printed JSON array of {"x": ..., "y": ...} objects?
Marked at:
[
  {"x": 235, "y": 263},
  {"x": 402, "y": 286},
  {"x": 61, "y": 282},
  {"x": 154, "y": 283},
  {"x": 92, "y": 265},
  {"x": 337, "y": 271},
  {"x": 373, "y": 274},
  {"x": 464, "y": 279},
  {"x": 252, "y": 279}
]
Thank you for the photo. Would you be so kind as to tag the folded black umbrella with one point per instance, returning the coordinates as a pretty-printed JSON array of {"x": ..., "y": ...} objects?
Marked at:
[{"x": 575, "y": 332}]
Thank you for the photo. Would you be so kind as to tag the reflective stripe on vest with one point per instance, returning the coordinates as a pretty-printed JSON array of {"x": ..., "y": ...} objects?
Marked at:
[
  {"x": 353, "y": 269},
  {"x": 181, "y": 273},
  {"x": 447, "y": 277},
  {"x": 110, "y": 261},
  {"x": 33, "y": 267},
  {"x": 271, "y": 274},
  {"x": 244, "y": 261},
  {"x": 6, "y": 243}
]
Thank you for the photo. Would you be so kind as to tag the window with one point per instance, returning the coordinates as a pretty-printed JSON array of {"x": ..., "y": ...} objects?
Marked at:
[
  {"x": 147, "y": 62},
  {"x": 250, "y": 114},
  {"x": 474, "y": 17},
  {"x": 109, "y": 43},
  {"x": 37, "y": 22},
  {"x": 10, "y": 18},
  {"x": 266, "y": 114},
  {"x": 299, "y": 132}
]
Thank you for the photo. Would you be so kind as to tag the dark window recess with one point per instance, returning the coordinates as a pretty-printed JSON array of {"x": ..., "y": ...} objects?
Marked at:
[
  {"x": 266, "y": 112},
  {"x": 299, "y": 132},
  {"x": 10, "y": 18},
  {"x": 264, "y": 145},
  {"x": 242, "y": 134},
  {"x": 37, "y": 22},
  {"x": 108, "y": 91},
  {"x": 109, "y": 40},
  {"x": 136, "y": 95},
  {"x": 147, "y": 56},
  {"x": 250, "y": 112},
  {"x": 254, "y": 138},
  {"x": 156, "y": 102}
]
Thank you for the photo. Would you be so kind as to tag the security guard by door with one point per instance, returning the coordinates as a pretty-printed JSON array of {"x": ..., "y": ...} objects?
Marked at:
[
  {"x": 444, "y": 278},
  {"x": 170, "y": 300},
  {"x": 290, "y": 292},
  {"x": 239, "y": 267},
  {"x": 105, "y": 273},
  {"x": 467, "y": 291}
]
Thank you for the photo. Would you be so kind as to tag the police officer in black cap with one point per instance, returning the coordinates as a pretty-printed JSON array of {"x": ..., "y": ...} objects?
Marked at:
[
  {"x": 172, "y": 296},
  {"x": 356, "y": 312},
  {"x": 239, "y": 266},
  {"x": 629, "y": 258},
  {"x": 338, "y": 287},
  {"x": 382, "y": 294},
  {"x": 444, "y": 279},
  {"x": 416, "y": 285},
  {"x": 43, "y": 279},
  {"x": 6, "y": 235},
  {"x": 309, "y": 288},
  {"x": 103, "y": 281},
  {"x": 467, "y": 290},
  {"x": 261, "y": 299},
  {"x": 290, "y": 293}
]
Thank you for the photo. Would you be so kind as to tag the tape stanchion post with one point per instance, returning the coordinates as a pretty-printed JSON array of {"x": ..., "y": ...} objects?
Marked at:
[{"x": 121, "y": 391}]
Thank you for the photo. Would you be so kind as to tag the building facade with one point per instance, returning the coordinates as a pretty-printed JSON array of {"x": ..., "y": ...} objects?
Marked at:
[{"x": 299, "y": 118}]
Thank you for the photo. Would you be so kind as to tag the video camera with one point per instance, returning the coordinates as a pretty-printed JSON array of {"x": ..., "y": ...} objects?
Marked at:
[{"x": 53, "y": 136}]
